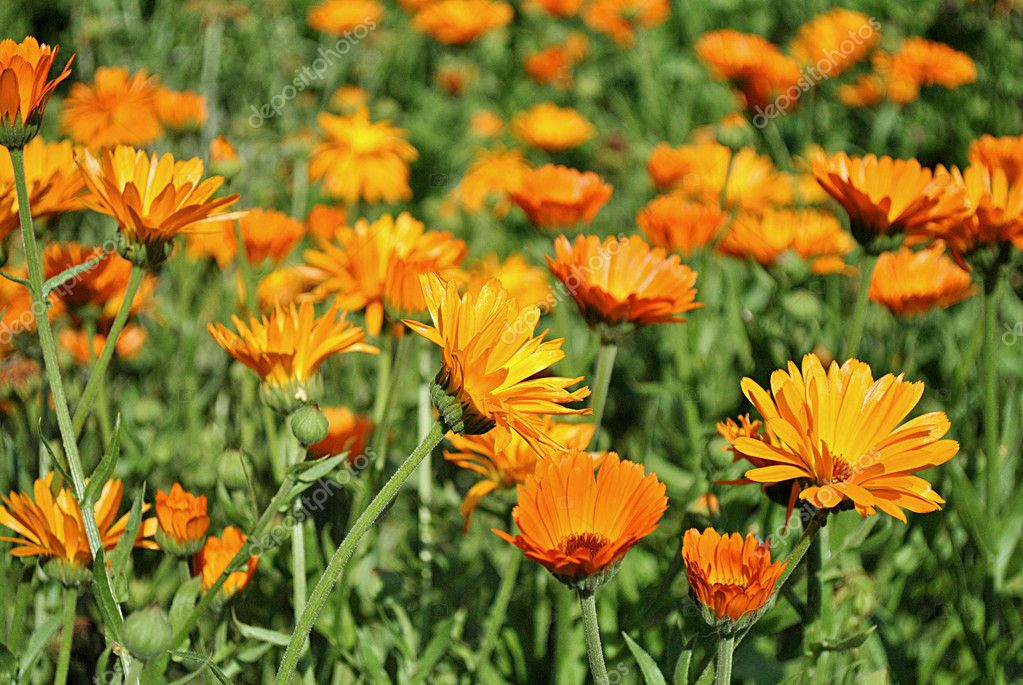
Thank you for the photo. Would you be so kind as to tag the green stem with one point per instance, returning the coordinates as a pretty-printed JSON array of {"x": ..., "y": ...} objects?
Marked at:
[
  {"x": 248, "y": 280},
  {"x": 588, "y": 603},
  {"x": 814, "y": 585},
  {"x": 855, "y": 332},
  {"x": 339, "y": 560},
  {"x": 726, "y": 647},
  {"x": 498, "y": 610},
  {"x": 779, "y": 149},
  {"x": 601, "y": 382},
  {"x": 95, "y": 383},
  {"x": 990, "y": 390},
  {"x": 67, "y": 635}
]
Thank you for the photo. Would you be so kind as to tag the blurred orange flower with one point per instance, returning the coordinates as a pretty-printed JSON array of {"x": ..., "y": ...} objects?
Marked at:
[
  {"x": 338, "y": 17},
  {"x": 325, "y": 221},
  {"x": 677, "y": 224},
  {"x": 180, "y": 110},
  {"x": 908, "y": 282},
  {"x": 97, "y": 291},
  {"x": 459, "y": 22},
  {"x": 620, "y": 19},
  {"x": 554, "y": 196},
  {"x": 837, "y": 40},
  {"x": 492, "y": 175},
  {"x": 549, "y": 127},
  {"x": 17, "y": 314},
  {"x": 285, "y": 285},
  {"x": 54, "y": 183},
  {"x": 930, "y": 63},
  {"x": 556, "y": 8},
  {"x": 525, "y": 283},
  {"x": 213, "y": 558},
  {"x": 268, "y": 234},
  {"x": 128, "y": 346},
  {"x": 26, "y": 87},
  {"x": 182, "y": 520},
  {"x": 813, "y": 235},
  {"x": 755, "y": 65},
  {"x": 1005, "y": 153},
  {"x": 486, "y": 124},
  {"x": 117, "y": 108},
  {"x": 346, "y": 432}
]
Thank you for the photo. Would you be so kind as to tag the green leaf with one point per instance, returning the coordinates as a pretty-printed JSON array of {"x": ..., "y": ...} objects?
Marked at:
[
  {"x": 207, "y": 662},
  {"x": 112, "y": 621},
  {"x": 8, "y": 665},
  {"x": 183, "y": 603},
  {"x": 967, "y": 503},
  {"x": 121, "y": 553},
  {"x": 681, "y": 676},
  {"x": 272, "y": 637},
  {"x": 37, "y": 642},
  {"x": 444, "y": 635},
  {"x": 312, "y": 471},
  {"x": 56, "y": 460},
  {"x": 101, "y": 474},
  {"x": 370, "y": 661},
  {"x": 844, "y": 645},
  {"x": 647, "y": 666},
  {"x": 73, "y": 272}
]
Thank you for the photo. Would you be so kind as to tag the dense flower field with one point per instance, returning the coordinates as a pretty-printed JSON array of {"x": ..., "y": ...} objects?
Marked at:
[{"x": 464, "y": 341}]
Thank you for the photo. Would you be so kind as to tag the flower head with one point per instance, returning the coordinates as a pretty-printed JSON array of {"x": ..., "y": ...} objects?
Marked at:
[
  {"x": 813, "y": 235},
  {"x": 619, "y": 19},
  {"x": 346, "y": 432},
  {"x": 525, "y": 283},
  {"x": 25, "y": 88},
  {"x": 117, "y": 108},
  {"x": 1005, "y": 153},
  {"x": 579, "y": 526},
  {"x": 268, "y": 234},
  {"x": 552, "y": 128},
  {"x": 554, "y": 196},
  {"x": 214, "y": 556},
  {"x": 459, "y": 22},
  {"x": 338, "y": 17},
  {"x": 54, "y": 183},
  {"x": 930, "y": 63},
  {"x": 837, "y": 40},
  {"x": 677, "y": 224},
  {"x": 755, "y": 65},
  {"x": 183, "y": 110},
  {"x": 556, "y": 8},
  {"x": 325, "y": 221},
  {"x": 490, "y": 178},
  {"x": 908, "y": 282},
  {"x": 182, "y": 521}
]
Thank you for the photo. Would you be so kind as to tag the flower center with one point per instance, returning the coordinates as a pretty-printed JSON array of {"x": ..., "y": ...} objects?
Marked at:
[
  {"x": 591, "y": 542},
  {"x": 840, "y": 470}
]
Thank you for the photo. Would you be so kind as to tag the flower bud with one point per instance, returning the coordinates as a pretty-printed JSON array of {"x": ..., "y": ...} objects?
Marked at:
[
  {"x": 147, "y": 633},
  {"x": 309, "y": 425}
]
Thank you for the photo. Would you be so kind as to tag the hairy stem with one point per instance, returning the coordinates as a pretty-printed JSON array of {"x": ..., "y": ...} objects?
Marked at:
[
  {"x": 67, "y": 634},
  {"x": 601, "y": 382},
  {"x": 588, "y": 603}
]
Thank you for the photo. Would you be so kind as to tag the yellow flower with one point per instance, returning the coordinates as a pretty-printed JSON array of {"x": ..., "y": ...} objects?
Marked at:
[
  {"x": 53, "y": 179},
  {"x": 834, "y": 41},
  {"x": 525, "y": 283},
  {"x": 180, "y": 110},
  {"x": 552, "y": 128},
  {"x": 338, "y": 17}
]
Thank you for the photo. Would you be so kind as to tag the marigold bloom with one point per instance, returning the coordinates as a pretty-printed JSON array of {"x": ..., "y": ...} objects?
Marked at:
[
  {"x": 503, "y": 459},
  {"x": 214, "y": 240},
  {"x": 885, "y": 195},
  {"x": 908, "y": 282},
  {"x": 755, "y": 65},
  {"x": 486, "y": 124},
  {"x": 525, "y": 283},
  {"x": 674, "y": 223},
  {"x": 577, "y": 525},
  {"x": 338, "y": 17},
  {"x": 48, "y": 524},
  {"x": 549, "y": 127},
  {"x": 116, "y": 109},
  {"x": 550, "y": 65},
  {"x": 287, "y": 284},
  {"x": 182, "y": 520},
  {"x": 492, "y": 175},
  {"x": 459, "y": 22},
  {"x": 557, "y": 8},
  {"x": 840, "y": 434},
  {"x": 815, "y": 236},
  {"x": 26, "y": 87},
  {"x": 929, "y": 63},
  {"x": 730, "y": 576},
  {"x": 623, "y": 281},
  {"x": 214, "y": 556},
  {"x": 16, "y": 310},
  {"x": 53, "y": 179},
  {"x": 128, "y": 345},
  {"x": 375, "y": 266},
  {"x": 349, "y": 98},
  {"x": 1005, "y": 153},
  {"x": 347, "y": 432},
  {"x": 834, "y": 41},
  {"x": 97, "y": 291},
  {"x": 619, "y": 19},
  {"x": 363, "y": 159},
  {"x": 325, "y": 221},
  {"x": 492, "y": 363},
  {"x": 554, "y": 196},
  {"x": 183, "y": 110},
  {"x": 269, "y": 234}
]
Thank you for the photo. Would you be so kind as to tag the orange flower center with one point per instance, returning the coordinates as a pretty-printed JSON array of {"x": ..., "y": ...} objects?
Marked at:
[
  {"x": 591, "y": 542},
  {"x": 840, "y": 470}
]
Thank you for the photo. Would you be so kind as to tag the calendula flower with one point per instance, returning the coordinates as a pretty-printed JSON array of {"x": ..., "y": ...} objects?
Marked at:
[
  {"x": 214, "y": 240},
  {"x": 486, "y": 124},
  {"x": 16, "y": 311},
  {"x": 1005, "y": 153},
  {"x": 550, "y": 65},
  {"x": 363, "y": 159},
  {"x": 620, "y": 19},
  {"x": 99, "y": 287},
  {"x": 53, "y": 180},
  {"x": 153, "y": 199},
  {"x": 459, "y": 22},
  {"x": 929, "y": 63},
  {"x": 26, "y": 87},
  {"x": 347, "y": 432},
  {"x": 813, "y": 235},
  {"x": 885, "y": 195},
  {"x": 287, "y": 284},
  {"x": 182, "y": 521},
  {"x": 490, "y": 178},
  {"x": 84, "y": 351},
  {"x": 269, "y": 234},
  {"x": 555, "y": 196},
  {"x": 834, "y": 41},
  {"x": 118, "y": 108},
  {"x": 679, "y": 225},
  {"x": 840, "y": 435},
  {"x": 549, "y": 127},
  {"x": 50, "y": 525},
  {"x": 623, "y": 282},
  {"x": 730, "y": 576},
  {"x": 287, "y": 347},
  {"x": 556, "y": 8},
  {"x": 454, "y": 78},
  {"x": 325, "y": 221},
  {"x": 752, "y": 63},
  {"x": 180, "y": 110},
  {"x": 908, "y": 282},
  {"x": 213, "y": 557},
  {"x": 504, "y": 460},
  {"x": 525, "y": 283},
  {"x": 349, "y": 98},
  {"x": 492, "y": 364},
  {"x": 338, "y": 17},
  {"x": 376, "y": 266},
  {"x": 579, "y": 526}
]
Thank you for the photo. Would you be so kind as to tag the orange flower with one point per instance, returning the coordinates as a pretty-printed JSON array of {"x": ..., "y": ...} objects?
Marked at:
[
  {"x": 492, "y": 175},
  {"x": 287, "y": 284},
  {"x": 504, "y": 459},
  {"x": 375, "y": 266},
  {"x": 269, "y": 234},
  {"x": 347, "y": 432},
  {"x": 730, "y": 576},
  {"x": 813, "y": 235},
  {"x": 349, "y": 98},
  {"x": 556, "y": 8},
  {"x": 623, "y": 281},
  {"x": 48, "y": 524},
  {"x": 182, "y": 521},
  {"x": 839, "y": 433},
  {"x": 929, "y": 63},
  {"x": 578, "y": 526},
  {"x": 362, "y": 159},
  {"x": 885, "y": 195},
  {"x": 908, "y": 282},
  {"x": 454, "y": 78},
  {"x": 834, "y": 41},
  {"x": 674, "y": 223},
  {"x": 325, "y": 221},
  {"x": 180, "y": 110},
  {"x": 755, "y": 65},
  {"x": 152, "y": 199},
  {"x": 338, "y": 17},
  {"x": 486, "y": 124},
  {"x": 525, "y": 283},
  {"x": 550, "y": 65},
  {"x": 554, "y": 196},
  {"x": 459, "y": 22},
  {"x": 552, "y": 128},
  {"x": 213, "y": 240},
  {"x": 619, "y": 19},
  {"x": 53, "y": 180},
  {"x": 25, "y": 88},
  {"x": 493, "y": 366},
  {"x": 1005, "y": 153},
  {"x": 128, "y": 346},
  {"x": 116, "y": 109},
  {"x": 214, "y": 556},
  {"x": 16, "y": 310},
  {"x": 99, "y": 288}
]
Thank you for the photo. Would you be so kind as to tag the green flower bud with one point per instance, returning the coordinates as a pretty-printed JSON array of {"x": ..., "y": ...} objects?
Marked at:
[
  {"x": 309, "y": 425},
  {"x": 148, "y": 633},
  {"x": 67, "y": 572}
]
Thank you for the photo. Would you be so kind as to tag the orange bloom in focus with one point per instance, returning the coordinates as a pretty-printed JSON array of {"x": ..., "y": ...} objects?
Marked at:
[
  {"x": 493, "y": 174},
  {"x": 325, "y": 221},
  {"x": 885, "y": 195},
  {"x": 377, "y": 265},
  {"x": 26, "y": 87},
  {"x": 837, "y": 39},
  {"x": 53, "y": 180},
  {"x": 554, "y": 196},
  {"x": 363, "y": 159},
  {"x": 619, "y": 19},
  {"x": 347, "y": 432},
  {"x": 116, "y": 109},
  {"x": 1005, "y": 153},
  {"x": 908, "y": 282},
  {"x": 755, "y": 65},
  {"x": 730, "y": 576},
  {"x": 676, "y": 224},
  {"x": 524, "y": 282},
  {"x": 338, "y": 17},
  {"x": 459, "y": 22},
  {"x": 840, "y": 434},
  {"x": 182, "y": 520},
  {"x": 180, "y": 110},
  {"x": 623, "y": 281},
  {"x": 578, "y": 526},
  {"x": 214, "y": 556},
  {"x": 552, "y": 128},
  {"x": 504, "y": 460},
  {"x": 493, "y": 366},
  {"x": 815, "y": 236}
]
